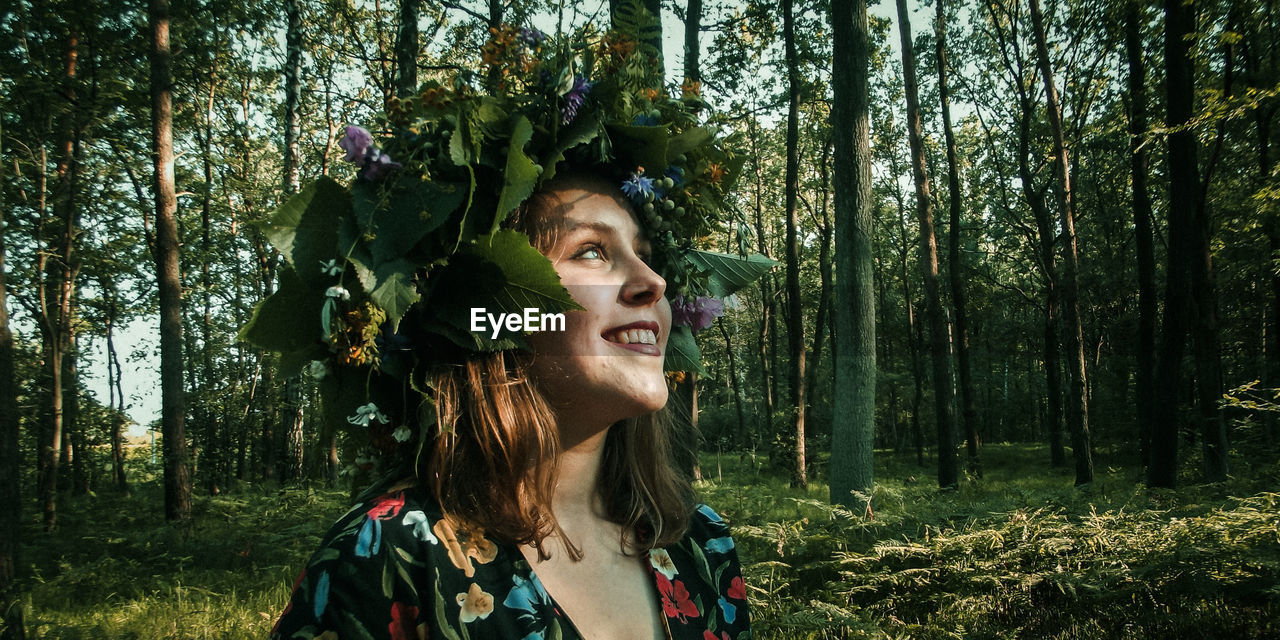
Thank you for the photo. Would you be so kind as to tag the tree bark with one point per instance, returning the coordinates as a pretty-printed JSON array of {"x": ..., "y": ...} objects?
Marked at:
[
  {"x": 177, "y": 482},
  {"x": 957, "y": 270},
  {"x": 938, "y": 335},
  {"x": 406, "y": 83},
  {"x": 795, "y": 315},
  {"x": 406, "y": 49},
  {"x": 10, "y": 479},
  {"x": 1077, "y": 404},
  {"x": 853, "y": 428},
  {"x": 692, "y": 48},
  {"x": 1143, "y": 236}
]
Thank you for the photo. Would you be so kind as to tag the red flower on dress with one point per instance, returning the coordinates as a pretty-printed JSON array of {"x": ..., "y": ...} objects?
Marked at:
[
  {"x": 387, "y": 507},
  {"x": 403, "y": 619},
  {"x": 737, "y": 589},
  {"x": 675, "y": 599},
  {"x": 708, "y": 635}
]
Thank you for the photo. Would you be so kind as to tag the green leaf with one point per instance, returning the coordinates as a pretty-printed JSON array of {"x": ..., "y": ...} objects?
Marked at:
[
  {"x": 304, "y": 229},
  {"x": 729, "y": 273},
  {"x": 686, "y": 141},
  {"x": 445, "y": 629},
  {"x": 643, "y": 146},
  {"x": 395, "y": 290},
  {"x": 531, "y": 279},
  {"x": 682, "y": 352},
  {"x": 288, "y": 320},
  {"x": 582, "y": 131},
  {"x": 521, "y": 176},
  {"x": 463, "y": 148},
  {"x": 293, "y": 362},
  {"x": 413, "y": 209}
]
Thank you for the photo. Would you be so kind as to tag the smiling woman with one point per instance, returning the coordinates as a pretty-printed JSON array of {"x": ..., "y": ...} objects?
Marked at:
[{"x": 535, "y": 494}]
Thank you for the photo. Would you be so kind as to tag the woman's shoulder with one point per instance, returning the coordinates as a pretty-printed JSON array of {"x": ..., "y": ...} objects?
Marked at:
[{"x": 706, "y": 524}]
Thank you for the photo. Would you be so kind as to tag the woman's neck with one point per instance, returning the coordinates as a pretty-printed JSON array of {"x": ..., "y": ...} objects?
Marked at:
[{"x": 576, "y": 498}]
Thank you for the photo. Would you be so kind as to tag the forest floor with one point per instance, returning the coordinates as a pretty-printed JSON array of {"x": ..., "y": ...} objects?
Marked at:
[{"x": 1019, "y": 553}]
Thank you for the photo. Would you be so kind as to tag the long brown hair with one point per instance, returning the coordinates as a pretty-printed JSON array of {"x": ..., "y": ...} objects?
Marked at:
[{"x": 491, "y": 460}]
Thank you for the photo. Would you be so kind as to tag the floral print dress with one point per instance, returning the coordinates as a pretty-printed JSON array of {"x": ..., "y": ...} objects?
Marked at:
[{"x": 396, "y": 567}]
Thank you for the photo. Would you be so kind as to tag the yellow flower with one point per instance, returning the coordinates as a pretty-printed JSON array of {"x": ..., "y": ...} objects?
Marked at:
[
  {"x": 652, "y": 94},
  {"x": 715, "y": 172},
  {"x": 476, "y": 604},
  {"x": 691, "y": 89}
]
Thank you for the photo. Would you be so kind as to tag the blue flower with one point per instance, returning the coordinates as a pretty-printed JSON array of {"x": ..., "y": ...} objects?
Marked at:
[
  {"x": 574, "y": 98},
  {"x": 730, "y": 611},
  {"x": 712, "y": 516},
  {"x": 676, "y": 174},
  {"x": 638, "y": 188},
  {"x": 531, "y": 37},
  {"x": 644, "y": 120},
  {"x": 322, "y": 593},
  {"x": 720, "y": 545},
  {"x": 527, "y": 595},
  {"x": 370, "y": 537}
]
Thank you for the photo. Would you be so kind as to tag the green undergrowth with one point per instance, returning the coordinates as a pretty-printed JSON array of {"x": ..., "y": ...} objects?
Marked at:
[{"x": 1019, "y": 553}]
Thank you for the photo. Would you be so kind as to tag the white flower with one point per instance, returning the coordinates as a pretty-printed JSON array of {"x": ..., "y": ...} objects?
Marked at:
[
  {"x": 337, "y": 292},
  {"x": 661, "y": 561},
  {"x": 421, "y": 526},
  {"x": 366, "y": 414},
  {"x": 318, "y": 369},
  {"x": 330, "y": 267},
  {"x": 401, "y": 433}
]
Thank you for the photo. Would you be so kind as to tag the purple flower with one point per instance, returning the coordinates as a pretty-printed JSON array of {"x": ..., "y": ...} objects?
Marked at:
[
  {"x": 531, "y": 37},
  {"x": 638, "y": 188},
  {"x": 356, "y": 141},
  {"x": 574, "y": 98},
  {"x": 378, "y": 165},
  {"x": 698, "y": 313}
]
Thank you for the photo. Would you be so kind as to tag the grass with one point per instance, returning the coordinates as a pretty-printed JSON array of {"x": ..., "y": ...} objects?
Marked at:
[{"x": 1018, "y": 553}]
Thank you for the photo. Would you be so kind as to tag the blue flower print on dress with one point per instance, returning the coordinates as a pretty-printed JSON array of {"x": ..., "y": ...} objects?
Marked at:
[
  {"x": 712, "y": 516},
  {"x": 720, "y": 545},
  {"x": 730, "y": 611},
  {"x": 421, "y": 526},
  {"x": 370, "y": 537},
  {"x": 322, "y": 593},
  {"x": 527, "y": 595}
]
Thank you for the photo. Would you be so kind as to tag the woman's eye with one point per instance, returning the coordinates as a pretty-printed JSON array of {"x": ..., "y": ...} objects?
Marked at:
[{"x": 590, "y": 253}]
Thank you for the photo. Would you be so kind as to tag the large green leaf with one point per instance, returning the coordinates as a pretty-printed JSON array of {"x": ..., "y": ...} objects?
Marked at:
[
  {"x": 682, "y": 352},
  {"x": 686, "y": 141},
  {"x": 643, "y": 146},
  {"x": 729, "y": 273},
  {"x": 414, "y": 209},
  {"x": 289, "y": 319},
  {"x": 531, "y": 279},
  {"x": 394, "y": 289},
  {"x": 304, "y": 229},
  {"x": 582, "y": 131},
  {"x": 521, "y": 176}
]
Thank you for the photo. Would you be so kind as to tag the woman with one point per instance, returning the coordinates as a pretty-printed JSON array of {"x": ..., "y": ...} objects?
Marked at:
[{"x": 541, "y": 499}]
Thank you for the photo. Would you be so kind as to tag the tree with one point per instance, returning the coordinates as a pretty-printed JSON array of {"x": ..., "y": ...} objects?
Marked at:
[
  {"x": 10, "y": 496},
  {"x": 1146, "y": 348},
  {"x": 795, "y": 319},
  {"x": 1078, "y": 398},
  {"x": 177, "y": 482},
  {"x": 938, "y": 335},
  {"x": 853, "y": 432}
]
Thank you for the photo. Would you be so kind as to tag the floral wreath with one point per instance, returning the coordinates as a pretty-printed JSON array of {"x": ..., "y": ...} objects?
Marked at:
[{"x": 381, "y": 273}]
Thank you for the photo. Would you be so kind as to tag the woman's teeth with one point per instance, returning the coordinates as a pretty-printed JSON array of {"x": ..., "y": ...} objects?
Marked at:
[{"x": 634, "y": 336}]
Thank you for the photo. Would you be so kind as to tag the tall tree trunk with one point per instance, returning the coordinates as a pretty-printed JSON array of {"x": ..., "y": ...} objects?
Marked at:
[
  {"x": 114, "y": 387},
  {"x": 692, "y": 48},
  {"x": 1184, "y": 187},
  {"x": 768, "y": 385},
  {"x": 1077, "y": 404},
  {"x": 10, "y": 479},
  {"x": 854, "y": 427},
  {"x": 406, "y": 48},
  {"x": 948, "y": 476},
  {"x": 913, "y": 328},
  {"x": 735, "y": 385},
  {"x": 74, "y": 427},
  {"x": 821, "y": 319},
  {"x": 795, "y": 314},
  {"x": 957, "y": 271},
  {"x": 407, "y": 82},
  {"x": 177, "y": 482},
  {"x": 1142, "y": 225}
]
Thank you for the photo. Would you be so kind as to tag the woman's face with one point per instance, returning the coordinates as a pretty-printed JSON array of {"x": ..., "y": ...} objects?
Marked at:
[{"x": 607, "y": 363}]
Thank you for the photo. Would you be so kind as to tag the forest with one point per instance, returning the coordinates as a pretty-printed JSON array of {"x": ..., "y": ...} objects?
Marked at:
[{"x": 1015, "y": 374}]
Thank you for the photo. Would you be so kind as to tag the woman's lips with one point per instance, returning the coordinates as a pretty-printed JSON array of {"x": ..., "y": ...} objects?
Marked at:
[{"x": 641, "y": 337}]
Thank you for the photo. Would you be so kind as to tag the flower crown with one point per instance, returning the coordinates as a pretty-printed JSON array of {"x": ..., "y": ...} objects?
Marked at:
[{"x": 381, "y": 274}]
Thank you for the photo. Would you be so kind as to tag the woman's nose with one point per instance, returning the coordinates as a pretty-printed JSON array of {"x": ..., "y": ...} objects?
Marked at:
[{"x": 644, "y": 285}]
